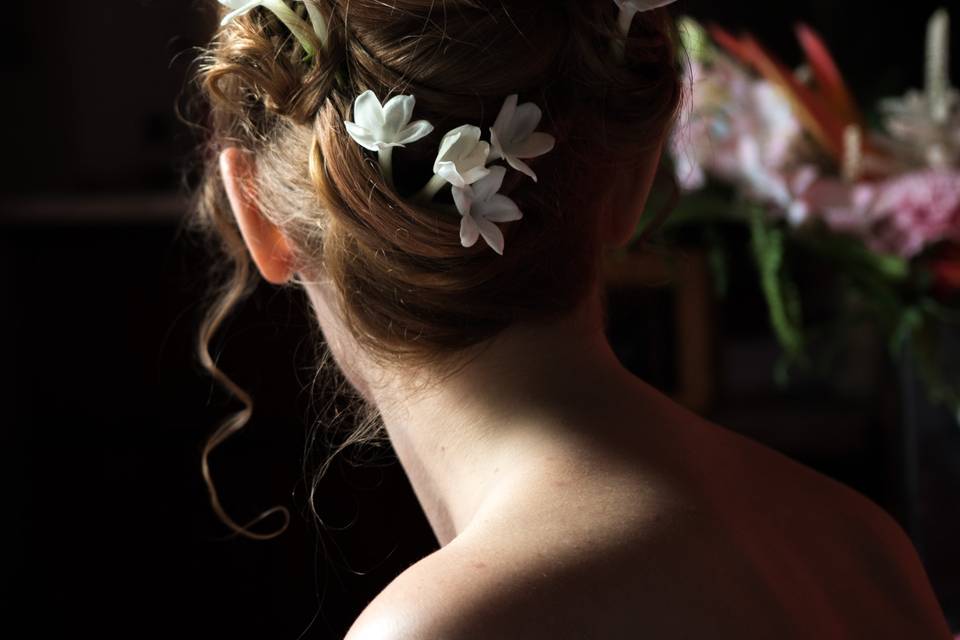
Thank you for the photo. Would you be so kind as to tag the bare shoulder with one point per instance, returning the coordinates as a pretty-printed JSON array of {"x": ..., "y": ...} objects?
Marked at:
[
  {"x": 807, "y": 553},
  {"x": 891, "y": 563},
  {"x": 529, "y": 585},
  {"x": 847, "y": 539},
  {"x": 434, "y": 598}
]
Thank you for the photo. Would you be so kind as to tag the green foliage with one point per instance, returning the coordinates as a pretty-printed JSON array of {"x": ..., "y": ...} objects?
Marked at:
[
  {"x": 781, "y": 293},
  {"x": 717, "y": 260},
  {"x": 923, "y": 331},
  {"x": 873, "y": 291}
]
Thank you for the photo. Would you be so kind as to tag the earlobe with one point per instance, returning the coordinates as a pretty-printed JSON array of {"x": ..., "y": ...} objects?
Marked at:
[{"x": 268, "y": 247}]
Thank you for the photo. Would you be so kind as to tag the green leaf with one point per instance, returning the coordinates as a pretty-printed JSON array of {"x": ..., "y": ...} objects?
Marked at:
[
  {"x": 782, "y": 296},
  {"x": 717, "y": 261},
  {"x": 910, "y": 321},
  {"x": 939, "y": 377}
]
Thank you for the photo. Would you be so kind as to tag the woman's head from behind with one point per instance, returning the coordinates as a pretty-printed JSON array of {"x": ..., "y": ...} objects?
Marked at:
[{"x": 390, "y": 280}]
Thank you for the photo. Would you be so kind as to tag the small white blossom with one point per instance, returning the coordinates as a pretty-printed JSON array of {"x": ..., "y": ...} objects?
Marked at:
[
  {"x": 480, "y": 206},
  {"x": 512, "y": 135},
  {"x": 377, "y": 126},
  {"x": 462, "y": 158}
]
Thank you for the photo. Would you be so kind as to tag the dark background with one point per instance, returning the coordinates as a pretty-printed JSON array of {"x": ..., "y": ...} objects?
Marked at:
[{"x": 105, "y": 407}]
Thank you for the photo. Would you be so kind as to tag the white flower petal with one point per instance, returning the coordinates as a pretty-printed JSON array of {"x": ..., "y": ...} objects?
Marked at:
[
  {"x": 490, "y": 184},
  {"x": 496, "y": 149},
  {"x": 469, "y": 231},
  {"x": 463, "y": 198},
  {"x": 521, "y": 166},
  {"x": 505, "y": 117},
  {"x": 416, "y": 130},
  {"x": 474, "y": 174},
  {"x": 474, "y": 163},
  {"x": 447, "y": 147},
  {"x": 501, "y": 125},
  {"x": 316, "y": 20},
  {"x": 492, "y": 234},
  {"x": 448, "y": 171},
  {"x": 397, "y": 112},
  {"x": 499, "y": 208},
  {"x": 368, "y": 113},
  {"x": 240, "y": 7},
  {"x": 478, "y": 155},
  {"x": 363, "y": 136},
  {"x": 513, "y": 135},
  {"x": 470, "y": 135},
  {"x": 537, "y": 144},
  {"x": 462, "y": 157},
  {"x": 524, "y": 122}
]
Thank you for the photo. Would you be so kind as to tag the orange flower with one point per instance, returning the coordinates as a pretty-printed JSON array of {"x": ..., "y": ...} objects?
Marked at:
[{"x": 826, "y": 109}]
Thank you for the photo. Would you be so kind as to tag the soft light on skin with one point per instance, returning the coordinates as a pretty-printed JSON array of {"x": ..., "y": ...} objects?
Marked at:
[{"x": 472, "y": 443}]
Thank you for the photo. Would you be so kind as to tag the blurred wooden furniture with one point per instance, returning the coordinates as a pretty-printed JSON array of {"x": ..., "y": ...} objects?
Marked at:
[{"x": 686, "y": 274}]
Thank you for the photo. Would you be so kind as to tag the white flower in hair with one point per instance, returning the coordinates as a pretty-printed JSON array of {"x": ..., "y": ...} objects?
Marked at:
[
  {"x": 480, "y": 206},
  {"x": 300, "y": 29},
  {"x": 377, "y": 127},
  {"x": 512, "y": 136},
  {"x": 462, "y": 158},
  {"x": 461, "y": 161},
  {"x": 381, "y": 127}
]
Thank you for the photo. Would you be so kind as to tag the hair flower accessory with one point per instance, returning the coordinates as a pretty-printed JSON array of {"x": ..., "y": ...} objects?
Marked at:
[
  {"x": 461, "y": 161},
  {"x": 380, "y": 128},
  {"x": 480, "y": 206},
  {"x": 512, "y": 136},
  {"x": 300, "y": 29}
]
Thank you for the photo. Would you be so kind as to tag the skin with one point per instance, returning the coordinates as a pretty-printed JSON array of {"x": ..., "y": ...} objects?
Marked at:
[
  {"x": 572, "y": 500},
  {"x": 459, "y": 441}
]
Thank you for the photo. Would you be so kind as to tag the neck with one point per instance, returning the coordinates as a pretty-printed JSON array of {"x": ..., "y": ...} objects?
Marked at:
[{"x": 462, "y": 440}]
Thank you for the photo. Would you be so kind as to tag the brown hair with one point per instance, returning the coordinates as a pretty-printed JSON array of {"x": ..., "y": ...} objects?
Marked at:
[{"x": 409, "y": 292}]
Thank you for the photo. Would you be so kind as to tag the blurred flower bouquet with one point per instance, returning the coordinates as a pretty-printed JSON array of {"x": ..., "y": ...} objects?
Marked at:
[{"x": 790, "y": 154}]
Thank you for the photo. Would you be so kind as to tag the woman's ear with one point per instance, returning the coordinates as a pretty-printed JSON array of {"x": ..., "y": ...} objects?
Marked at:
[
  {"x": 269, "y": 248},
  {"x": 627, "y": 201}
]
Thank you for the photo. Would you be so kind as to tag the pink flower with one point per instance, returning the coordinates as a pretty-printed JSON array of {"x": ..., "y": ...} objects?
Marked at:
[
  {"x": 915, "y": 210},
  {"x": 729, "y": 112},
  {"x": 900, "y": 216},
  {"x": 843, "y": 206}
]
